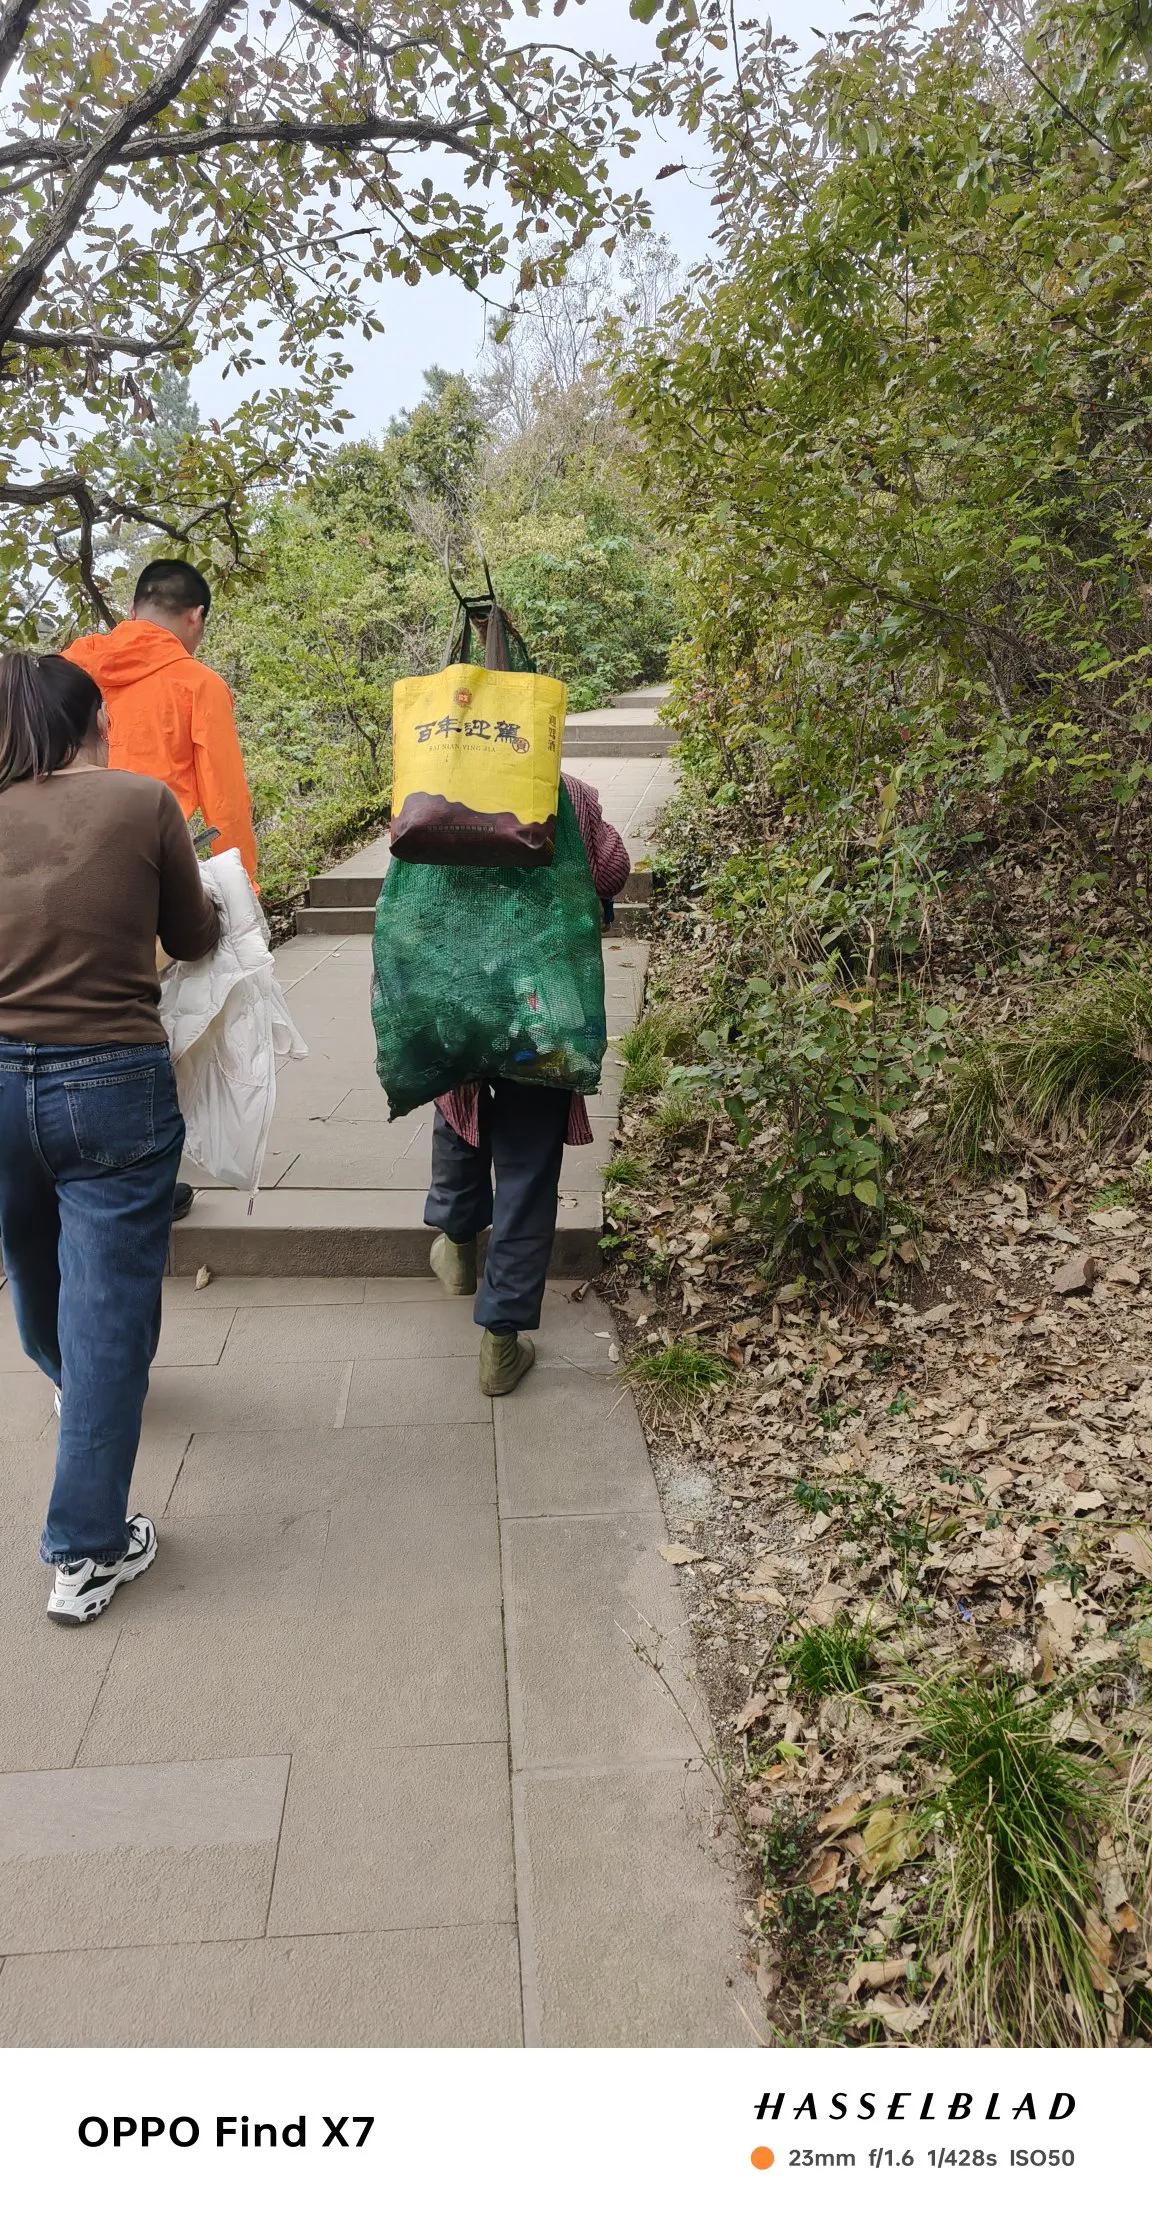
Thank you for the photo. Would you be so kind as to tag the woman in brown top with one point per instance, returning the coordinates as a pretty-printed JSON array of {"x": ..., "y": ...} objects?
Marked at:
[{"x": 95, "y": 865}]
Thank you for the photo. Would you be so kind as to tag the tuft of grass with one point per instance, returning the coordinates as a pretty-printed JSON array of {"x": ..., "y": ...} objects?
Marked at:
[
  {"x": 647, "y": 1051},
  {"x": 1018, "y": 1818},
  {"x": 1089, "y": 1050},
  {"x": 644, "y": 1054},
  {"x": 625, "y": 1173},
  {"x": 835, "y": 1659},
  {"x": 679, "y": 1108},
  {"x": 677, "y": 1376}
]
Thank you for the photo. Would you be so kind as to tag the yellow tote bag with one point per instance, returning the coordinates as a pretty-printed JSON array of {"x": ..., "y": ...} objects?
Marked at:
[{"x": 476, "y": 766}]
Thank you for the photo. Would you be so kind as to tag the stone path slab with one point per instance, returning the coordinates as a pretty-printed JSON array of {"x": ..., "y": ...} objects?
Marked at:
[{"x": 370, "y": 1755}]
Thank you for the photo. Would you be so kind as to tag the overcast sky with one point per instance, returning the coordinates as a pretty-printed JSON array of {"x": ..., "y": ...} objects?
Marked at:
[{"x": 438, "y": 322}]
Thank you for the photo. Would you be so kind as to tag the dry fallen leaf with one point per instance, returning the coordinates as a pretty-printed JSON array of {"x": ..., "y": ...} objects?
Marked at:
[
  {"x": 768, "y": 1973},
  {"x": 841, "y": 1816},
  {"x": 1114, "y": 1887},
  {"x": 754, "y": 1712},
  {"x": 1099, "y": 1938},
  {"x": 768, "y": 1567},
  {"x": 888, "y": 1841},
  {"x": 1065, "y": 1620},
  {"x": 1077, "y": 1276},
  {"x": 1134, "y": 1547},
  {"x": 678, "y": 1556},
  {"x": 1044, "y": 1670},
  {"x": 821, "y": 1873},
  {"x": 829, "y": 1601},
  {"x": 203, "y": 1278},
  {"x": 875, "y": 1975},
  {"x": 903, "y": 2021}
]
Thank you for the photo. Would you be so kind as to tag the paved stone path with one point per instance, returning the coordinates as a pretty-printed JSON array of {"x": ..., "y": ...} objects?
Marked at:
[{"x": 369, "y": 1756}]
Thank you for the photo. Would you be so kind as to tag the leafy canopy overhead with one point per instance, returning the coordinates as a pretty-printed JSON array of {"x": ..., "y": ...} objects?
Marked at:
[{"x": 179, "y": 183}]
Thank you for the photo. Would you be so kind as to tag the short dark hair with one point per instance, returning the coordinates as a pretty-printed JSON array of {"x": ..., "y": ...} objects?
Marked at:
[
  {"x": 175, "y": 585},
  {"x": 48, "y": 707}
]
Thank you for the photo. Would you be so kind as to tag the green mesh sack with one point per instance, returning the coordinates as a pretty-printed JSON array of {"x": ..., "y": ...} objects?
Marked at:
[{"x": 489, "y": 972}]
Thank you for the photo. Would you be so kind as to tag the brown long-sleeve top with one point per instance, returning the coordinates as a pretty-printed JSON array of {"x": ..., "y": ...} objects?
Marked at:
[{"x": 95, "y": 865}]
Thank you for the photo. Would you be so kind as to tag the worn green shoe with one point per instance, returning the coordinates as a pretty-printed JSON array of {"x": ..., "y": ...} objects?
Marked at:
[
  {"x": 503, "y": 1361},
  {"x": 455, "y": 1265}
]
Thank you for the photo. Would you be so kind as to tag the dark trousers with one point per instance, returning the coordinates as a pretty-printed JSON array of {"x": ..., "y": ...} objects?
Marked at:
[
  {"x": 90, "y": 1142},
  {"x": 522, "y": 1130}
]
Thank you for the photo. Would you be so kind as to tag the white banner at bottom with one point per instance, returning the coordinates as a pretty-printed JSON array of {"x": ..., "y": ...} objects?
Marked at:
[{"x": 774, "y": 2129}]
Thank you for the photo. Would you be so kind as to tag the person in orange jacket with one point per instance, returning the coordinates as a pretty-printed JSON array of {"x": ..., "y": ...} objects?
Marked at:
[{"x": 169, "y": 716}]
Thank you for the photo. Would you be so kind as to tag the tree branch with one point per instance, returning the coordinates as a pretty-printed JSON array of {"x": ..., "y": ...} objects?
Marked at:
[
  {"x": 47, "y": 493},
  {"x": 351, "y": 34},
  {"x": 20, "y": 286},
  {"x": 366, "y": 131},
  {"x": 14, "y": 22},
  {"x": 90, "y": 342},
  {"x": 162, "y": 145}
]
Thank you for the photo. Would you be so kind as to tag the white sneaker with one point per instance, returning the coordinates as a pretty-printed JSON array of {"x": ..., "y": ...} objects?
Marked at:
[
  {"x": 84, "y": 1588},
  {"x": 56, "y": 1405}
]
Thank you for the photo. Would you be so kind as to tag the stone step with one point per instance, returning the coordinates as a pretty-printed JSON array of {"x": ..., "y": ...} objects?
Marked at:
[
  {"x": 343, "y": 892},
  {"x": 602, "y": 742},
  {"x": 631, "y": 919},
  {"x": 346, "y": 1233},
  {"x": 335, "y": 922},
  {"x": 649, "y": 695}
]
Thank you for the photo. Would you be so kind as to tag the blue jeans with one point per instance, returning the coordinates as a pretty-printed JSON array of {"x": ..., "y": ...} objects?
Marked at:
[
  {"x": 90, "y": 1142},
  {"x": 522, "y": 1131}
]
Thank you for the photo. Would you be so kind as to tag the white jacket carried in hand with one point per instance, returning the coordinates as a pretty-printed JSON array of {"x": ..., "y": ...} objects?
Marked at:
[{"x": 229, "y": 1028}]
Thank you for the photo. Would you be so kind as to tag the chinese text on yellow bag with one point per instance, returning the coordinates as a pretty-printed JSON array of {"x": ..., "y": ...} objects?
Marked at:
[{"x": 476, "y": 766}]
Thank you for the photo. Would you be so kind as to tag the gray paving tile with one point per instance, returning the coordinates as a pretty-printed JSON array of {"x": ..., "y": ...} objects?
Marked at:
[
  {"x": 302, "y": 1396},
  {"x": 184, "y": 1804},
  {"x": 379, "y": 1667},
  {"x": 572, "y": 1445},
  {"x": 280, "y": 1474},
  {"x": 397, "y": 1329},
  {"x": 348, "y": 1156},
  {"x": 48, "y": 1693},
  {"x": 192, "y": 1337},
  {"x": 180, "y": 1292},
  {"x": 136, "y": 1855},
  {"x": 629, "y": 1921},
  {"x": 25, "y": 1403},
  {"x": 579, "y": 1594},
  {"x": 368, "y": 1103},
  {"x": 398, "y": 1839},
  {"x": 27, "y": 1470},
  {"x": 443, "y": 1388},
  {"x": 450, "y": 1987},
  {"x": 75, "y": 1903},
  {"x": 382, "y": 1331},
  {"x": 212, "y": 1567},
  {"x": 431, "y": 1553},
  {"x": 401, "y": 1290}
]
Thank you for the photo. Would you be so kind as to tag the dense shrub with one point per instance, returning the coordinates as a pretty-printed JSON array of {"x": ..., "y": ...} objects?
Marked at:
[{"x": 903, "y": 440}]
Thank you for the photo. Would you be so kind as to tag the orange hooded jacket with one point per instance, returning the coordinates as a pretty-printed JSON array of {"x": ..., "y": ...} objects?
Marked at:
[{"x": 171, "y": 718}]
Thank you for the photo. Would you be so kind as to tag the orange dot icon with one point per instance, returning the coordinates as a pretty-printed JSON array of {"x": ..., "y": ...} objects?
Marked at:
[{"x": 763, "y": 2156}]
